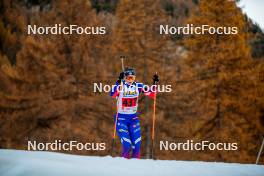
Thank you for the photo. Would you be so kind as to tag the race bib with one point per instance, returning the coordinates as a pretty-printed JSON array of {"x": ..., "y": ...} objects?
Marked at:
[{"x": 129, "y": 102}]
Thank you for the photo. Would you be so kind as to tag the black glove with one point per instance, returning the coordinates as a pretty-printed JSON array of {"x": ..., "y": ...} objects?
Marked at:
[
  {"x": 155, "y": 79},
  {"x": 121, "y": 77}
]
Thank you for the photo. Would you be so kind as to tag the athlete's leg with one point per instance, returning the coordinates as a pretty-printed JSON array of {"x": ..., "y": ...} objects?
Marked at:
[
  {"x": 123, "y": 133},
  {"x": 135, "y": 135}
]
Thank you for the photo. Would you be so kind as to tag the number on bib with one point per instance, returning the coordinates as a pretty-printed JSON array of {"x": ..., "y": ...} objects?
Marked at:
[{"x": 129, "y": 102}]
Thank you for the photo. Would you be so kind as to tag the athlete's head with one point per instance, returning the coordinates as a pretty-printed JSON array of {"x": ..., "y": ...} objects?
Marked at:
[{"x": 130, "y": 75}]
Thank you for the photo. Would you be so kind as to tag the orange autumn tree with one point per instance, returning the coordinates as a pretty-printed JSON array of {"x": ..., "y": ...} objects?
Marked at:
[
  {"x": 136, "y": 34},
  {"x": 224, "y": 92},
  {"x": 47, "y": 94}
]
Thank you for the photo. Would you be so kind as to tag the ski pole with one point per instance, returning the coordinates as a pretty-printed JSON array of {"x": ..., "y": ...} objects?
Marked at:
[
  {"x": 153, "y": 125},
  {"x": 260, "y": 151},
  {"x": 122, "y": 62},
  {"x": 116, "y": 117}
]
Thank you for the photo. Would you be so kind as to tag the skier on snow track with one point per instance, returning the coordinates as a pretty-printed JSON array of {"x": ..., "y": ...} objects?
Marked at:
[{"x": 128, "y": 125}]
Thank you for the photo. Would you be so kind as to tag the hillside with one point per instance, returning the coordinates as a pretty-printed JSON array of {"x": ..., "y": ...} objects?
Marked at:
[{"x": 47, "y": 81}]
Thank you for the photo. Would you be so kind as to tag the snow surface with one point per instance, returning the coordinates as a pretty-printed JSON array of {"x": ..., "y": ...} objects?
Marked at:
[{"x": 28, "y": 163}]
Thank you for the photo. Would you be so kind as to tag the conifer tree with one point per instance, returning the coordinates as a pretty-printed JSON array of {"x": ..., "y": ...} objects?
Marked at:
[
  {"x": 224, "y": 91},
  {"x": 136, "y": 34},
  {"x": 48, "y": 87}
]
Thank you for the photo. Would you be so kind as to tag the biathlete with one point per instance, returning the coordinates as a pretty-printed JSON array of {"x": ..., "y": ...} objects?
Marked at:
[{"x": 127, "y": 90}]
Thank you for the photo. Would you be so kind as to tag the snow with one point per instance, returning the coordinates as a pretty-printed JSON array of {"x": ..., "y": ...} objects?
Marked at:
[{"x": 39, "y": 163}]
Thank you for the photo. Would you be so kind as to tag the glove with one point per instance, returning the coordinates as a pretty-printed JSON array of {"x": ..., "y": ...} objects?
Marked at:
[
  {"x": 155, "y": 79},
  {"x": 121, "y": 77}
]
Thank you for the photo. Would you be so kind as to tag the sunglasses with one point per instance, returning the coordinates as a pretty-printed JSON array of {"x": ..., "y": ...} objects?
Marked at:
[{"x": 130, "y": 77}]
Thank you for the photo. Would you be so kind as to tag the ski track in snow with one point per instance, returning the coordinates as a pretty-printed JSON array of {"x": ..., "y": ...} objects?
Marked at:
[{"x": 38, "y": 163}]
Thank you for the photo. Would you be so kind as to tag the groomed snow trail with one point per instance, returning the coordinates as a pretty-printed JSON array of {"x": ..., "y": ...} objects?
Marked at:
[{"x": 28, "y": 163}]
